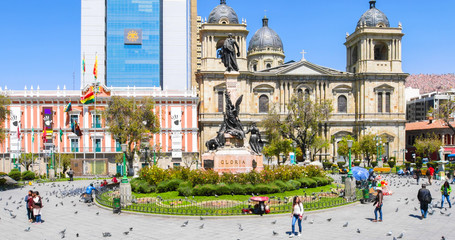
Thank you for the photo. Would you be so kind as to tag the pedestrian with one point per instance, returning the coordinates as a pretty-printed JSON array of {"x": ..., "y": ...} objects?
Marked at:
[
  {"x": 297, "y": 215},
  {"x": 29, "y": 210},
  {"x": 104, "y": 183},
  {"x": 70, "y": 174},
  {"x": 88, "y": 193},
  {"x": 378, "y": 204},
  {"x": 424, "y": 197},
  {"x": 430, "y": 173},
  {"x": 445, "y": 191},
  {"x": 417, "y": 175},
  {"x": 30, "y": 204},
  {"x": 114, "y": 180},
  {"x": 38, "y": 204}
]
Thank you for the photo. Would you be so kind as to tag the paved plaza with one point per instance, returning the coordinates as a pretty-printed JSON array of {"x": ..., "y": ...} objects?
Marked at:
[{"x": 60, "y": 214}]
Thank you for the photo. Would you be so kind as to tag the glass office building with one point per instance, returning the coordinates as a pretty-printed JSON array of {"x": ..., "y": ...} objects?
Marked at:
[{"x": 133, "y": 43}]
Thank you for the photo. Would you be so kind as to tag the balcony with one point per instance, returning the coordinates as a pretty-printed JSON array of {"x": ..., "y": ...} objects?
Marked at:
[
  {"x": 74, "y": 149},
  {"x": 96, "y": 125}
]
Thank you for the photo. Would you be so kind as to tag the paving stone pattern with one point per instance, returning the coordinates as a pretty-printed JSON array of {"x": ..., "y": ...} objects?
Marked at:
[{"x": 89, "y": 225}]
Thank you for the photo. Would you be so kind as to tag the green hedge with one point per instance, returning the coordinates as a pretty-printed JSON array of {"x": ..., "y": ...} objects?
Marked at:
[
  {"x": 28, "y": 175},
  {"x": 185, "y": 189},
  {"x": 2, "y": 181},
  {"x": 141, "y": 186},
  {"x": 15, "y": 174},
  {"x": 168, "y": 186}
]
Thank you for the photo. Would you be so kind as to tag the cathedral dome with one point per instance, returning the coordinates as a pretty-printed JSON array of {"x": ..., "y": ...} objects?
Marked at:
[
  {"x": 265, "y": 38},
  {"x": 223, "y": 14},
  {"x": 373, "y": 17}
]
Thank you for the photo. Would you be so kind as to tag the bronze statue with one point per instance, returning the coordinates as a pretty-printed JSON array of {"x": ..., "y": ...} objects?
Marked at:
[
  {"x": 231, "y": 117},
  {"x": 228, "y": 53},
  {"x": 255, "y": 139}
]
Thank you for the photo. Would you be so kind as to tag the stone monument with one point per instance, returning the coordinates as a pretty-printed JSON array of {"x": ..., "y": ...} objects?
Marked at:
[{"x": 227, "y": 151}]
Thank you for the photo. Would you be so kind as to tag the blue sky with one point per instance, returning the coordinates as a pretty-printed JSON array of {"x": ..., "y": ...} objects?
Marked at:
[{"x": 40, "y": 43}]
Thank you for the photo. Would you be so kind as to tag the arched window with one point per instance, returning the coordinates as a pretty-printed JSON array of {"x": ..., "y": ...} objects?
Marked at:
[
  {"x": 354, "y": 55},
  {"x": 307, "y": 94},
  {"x": 268, "y": 65},
  {"x": 387, "y": 102},
  {"x": 381, "y": 51},
  {"x": 263, "y": 104},
  {"x": 255, "y": 67},
  {"x": 379, "y": 102},
  {"x": 220, "y": 101},
  {"x": 342, "y": 104}
]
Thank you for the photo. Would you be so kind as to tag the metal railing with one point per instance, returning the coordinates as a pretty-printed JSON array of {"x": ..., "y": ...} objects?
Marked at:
[
  {"x": 189, "y": 206},
  {"x": 92, "y": 149}
]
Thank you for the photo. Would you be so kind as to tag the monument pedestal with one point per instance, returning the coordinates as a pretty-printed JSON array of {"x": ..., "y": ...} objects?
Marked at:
[
  {"x": 231, "y": 83},
  {"x": 125, "y": 194},
  {"x": 52, "y": 174},
  {"x": 349, "y": 189}
]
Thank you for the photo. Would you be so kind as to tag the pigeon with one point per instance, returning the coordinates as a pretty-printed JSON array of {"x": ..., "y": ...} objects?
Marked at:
[
  {"x": 396, "y": 210},
  {"x": 346, "y": 224},
  {"x": 442, "y": 212},
  {"x": 415, "y": 209},
  {"x": 401, "y": 235},
  {"x": 107, "y": 234},
  {"x": 358, "y": 230},
  {"x": 97, "y": 213},
  {"x": 389, "y": 233},
  {"x": 13, "y": 216},
  {"x": 240, "y": 227},
  {"x": 201, "y": 227},
  {"x": 77, "y": 234},
  {"x": 312, "y": 221},
  {"x": 274, "y": 233},
  {"x": 63, "y": 231},
  {"x": 184, "y": 224},
  {"x": 27, "y": 229},
  {"x": 126, "y": 233},
  {"x": 448, "y": 214},
  {"x": 201, "y": 218},
  {"x": 74, "y": 205},
  {"x": 131, "y": 229},
  {"x": 75, "y": 212},
  {"x": 305, "y": 218},
  {"x": 443, "y": 238},
  {"x": 329, "y": 219}
]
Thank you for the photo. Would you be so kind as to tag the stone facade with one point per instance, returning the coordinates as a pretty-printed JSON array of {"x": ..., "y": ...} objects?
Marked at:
[{"x": 367, "y": 99}]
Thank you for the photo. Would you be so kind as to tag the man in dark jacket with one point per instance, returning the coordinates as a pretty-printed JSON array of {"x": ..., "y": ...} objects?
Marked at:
[
  {"x": 29, "y": 209},
  {"x": 424, "y": 197}
]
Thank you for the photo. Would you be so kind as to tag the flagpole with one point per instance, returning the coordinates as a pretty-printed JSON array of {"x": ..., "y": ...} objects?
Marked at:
[{"x": 95, "y": 88}]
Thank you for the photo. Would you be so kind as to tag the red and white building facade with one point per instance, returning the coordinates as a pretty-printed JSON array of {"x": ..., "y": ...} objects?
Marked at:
[{"x": 33, "y": 109}]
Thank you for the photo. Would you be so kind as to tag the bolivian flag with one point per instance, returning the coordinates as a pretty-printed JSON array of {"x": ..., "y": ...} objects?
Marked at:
[
  {"x": 88, "y": 98},
  {"x": 95, "y": 68},
  {"x": 68, "y": 107}
]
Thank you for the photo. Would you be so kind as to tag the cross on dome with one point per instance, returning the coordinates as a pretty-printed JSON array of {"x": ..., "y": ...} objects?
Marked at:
[{"x": 303, "y": 55}]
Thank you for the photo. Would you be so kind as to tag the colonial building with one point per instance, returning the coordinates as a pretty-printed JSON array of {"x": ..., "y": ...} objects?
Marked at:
[
  {"x": 35, "y": 113},
  {"x": 368, "y": 98}
]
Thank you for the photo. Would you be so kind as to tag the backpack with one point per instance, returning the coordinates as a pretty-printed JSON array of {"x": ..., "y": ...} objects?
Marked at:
[{"x": 427, "y": 198}]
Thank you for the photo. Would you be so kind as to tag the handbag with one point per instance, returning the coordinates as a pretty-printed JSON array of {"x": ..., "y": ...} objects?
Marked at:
[{"x": 300, "y": 217}]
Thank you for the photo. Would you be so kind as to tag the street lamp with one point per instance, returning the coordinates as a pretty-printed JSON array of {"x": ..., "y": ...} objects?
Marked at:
[
  {"x": 404, "y": 154},
  {"x": 294, "y": 145},
  {"x": 350, "y": 167},
  {"x": 125, "y": 178},
  {"x": 154, "y": 155}
]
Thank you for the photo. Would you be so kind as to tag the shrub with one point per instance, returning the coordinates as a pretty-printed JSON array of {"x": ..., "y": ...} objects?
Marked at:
[
  {"x": 341, "y": 164},
  {"x": 266, "y": 188},
  {"x": 249, "y": 189},
  {"x": 223, "y": 189},
  {"x": 15, "y": 174},
  {"x": 228, "y": 178},
  {"x": 169, "y": 185},
  {"x": 419, "y": 162},
  {"x": 141, "y": 186},
  {"x": 357, "y": 163},
  {"x": 311, "y": 182},
  {"x": 237, "y": 189},
  {"x": 207, "y": 190},
  {"x": 28, "y": 175},
  {"x": 185, "y": 189},
  {"x": 253, "y": 177},
  {"x": 295, "y": 184},
  {"x": 391, "y": 163},
  {"x": 3, "y": 174},
  {"x": 321, "y": 181},
  {"x": 2, "y": 181},
  {"x": 289, "y": 186},
  {"x": 283, "y": 187},
  {"x": 374, "y": 163},
  {"x": 326, "y": 164}
]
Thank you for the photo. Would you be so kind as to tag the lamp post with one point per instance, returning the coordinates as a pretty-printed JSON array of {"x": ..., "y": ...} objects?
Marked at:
[
  {"x": 125, "y": 178},
  {"x": 404, "y": 154},
  {"x": 294, "y": 146},
  {"x": 154, "y": 155},
  {"x": 350, "y": 165}
]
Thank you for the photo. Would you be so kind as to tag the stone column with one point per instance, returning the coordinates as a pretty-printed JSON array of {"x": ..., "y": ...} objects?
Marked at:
[{"x": 232, "y": 84}]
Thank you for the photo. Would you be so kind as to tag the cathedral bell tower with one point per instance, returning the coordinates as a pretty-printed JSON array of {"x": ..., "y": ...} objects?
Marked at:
[
  {"x": 374, "y": 47},
  {"x": 222, "y": 21}
]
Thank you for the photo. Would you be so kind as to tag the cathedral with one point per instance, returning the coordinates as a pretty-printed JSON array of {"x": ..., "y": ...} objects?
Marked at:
[{"x": 367, "y": 98}]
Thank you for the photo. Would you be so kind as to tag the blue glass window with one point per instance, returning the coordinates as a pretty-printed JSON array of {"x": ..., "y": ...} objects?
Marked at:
[{"x": 127, "y": 64}]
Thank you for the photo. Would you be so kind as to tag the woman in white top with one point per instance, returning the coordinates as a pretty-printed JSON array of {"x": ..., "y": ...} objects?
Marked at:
[
  {"x": 37, "y": 205},
  {"x": 297, "y": 214}
]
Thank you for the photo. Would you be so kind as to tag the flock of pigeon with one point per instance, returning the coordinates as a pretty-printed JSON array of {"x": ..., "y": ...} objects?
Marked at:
[{"x": 65, "y": 193}]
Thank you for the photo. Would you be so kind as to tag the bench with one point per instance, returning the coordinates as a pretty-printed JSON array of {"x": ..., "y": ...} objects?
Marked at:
[{"x": 383, "y": 170}]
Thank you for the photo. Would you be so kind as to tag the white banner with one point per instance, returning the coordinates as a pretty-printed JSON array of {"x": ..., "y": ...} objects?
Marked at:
[
  {"x": 15, "y": 121},
  {"x": 176, "y": 141},
  {"x": 176, "y": 119}
]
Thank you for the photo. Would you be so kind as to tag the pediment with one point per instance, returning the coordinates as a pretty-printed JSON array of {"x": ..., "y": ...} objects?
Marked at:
[
  {"x": 302, "y": 70},
  {"x": 263, "y": 88}
]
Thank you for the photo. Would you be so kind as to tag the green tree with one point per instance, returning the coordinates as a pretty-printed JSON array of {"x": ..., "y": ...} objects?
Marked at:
[
  {"x": 343, "y": 149},
  {"x": 318, "y": 144},
  {"x": 63, "y": 160},
  {"x": 301, "y": 124},
  {"x": 278, "y": 147},
  {"x": 445, "y": 113},
  {"x": 425, "y": 146},
  {"x": 4, "y": 112},
  {"x": 368, "y": 146},
  {"x": 27, "y": 159},
  {"x": 129, "y": 119}
]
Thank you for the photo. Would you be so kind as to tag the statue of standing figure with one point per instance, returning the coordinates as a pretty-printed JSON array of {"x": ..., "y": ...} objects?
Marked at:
[
  {"x": 228, "y": 53},
  {"x": 255, "y": 139}
]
